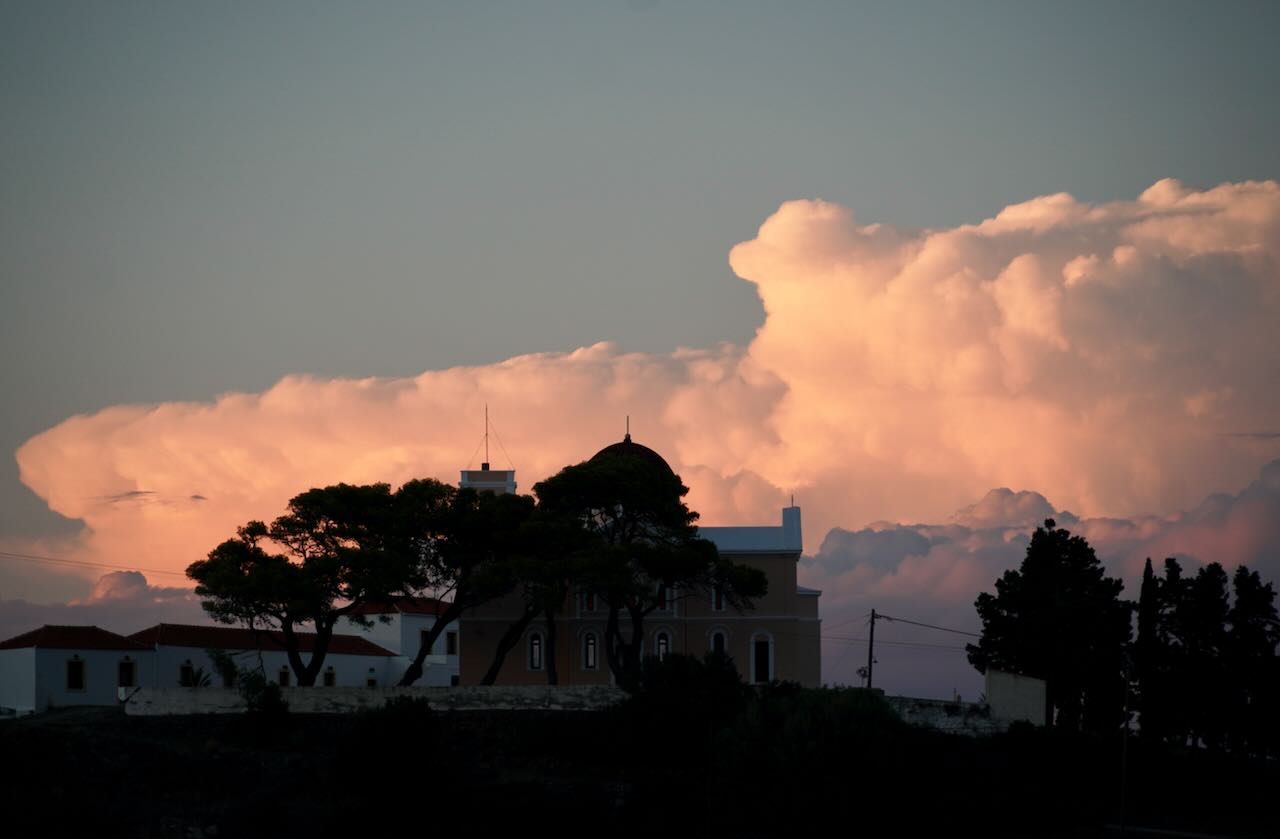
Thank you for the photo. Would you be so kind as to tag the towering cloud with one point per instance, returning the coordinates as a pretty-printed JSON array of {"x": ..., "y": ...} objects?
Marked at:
[{"x": 1118, "y": 358}]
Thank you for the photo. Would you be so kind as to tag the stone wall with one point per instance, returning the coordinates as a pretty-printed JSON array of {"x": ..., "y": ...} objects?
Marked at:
[
  {"x": 952, "y": 717},
  {"x": 165, "y": 701}
]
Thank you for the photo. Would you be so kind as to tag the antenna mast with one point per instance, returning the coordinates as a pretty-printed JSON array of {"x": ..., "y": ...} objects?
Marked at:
[{"x": 486, "y": 436}]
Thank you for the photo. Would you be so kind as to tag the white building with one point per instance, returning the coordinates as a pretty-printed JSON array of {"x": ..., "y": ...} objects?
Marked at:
[
  {"x": 400, "y": 625},
  {"x": 180, "y": 652},
  {"x": 59, "y": 666}
]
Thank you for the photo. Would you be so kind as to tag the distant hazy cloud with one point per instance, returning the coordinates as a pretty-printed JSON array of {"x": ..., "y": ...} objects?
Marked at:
[
  {"x": 1102, "y": 355},
  {"x": 933, "y": 573},
  {"x": 122, "y": 601}
]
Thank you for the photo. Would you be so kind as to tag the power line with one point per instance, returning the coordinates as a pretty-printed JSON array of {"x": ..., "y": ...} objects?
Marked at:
[
  {"x": 78, "y": 563},
  {"x": 927, "y": 625}
]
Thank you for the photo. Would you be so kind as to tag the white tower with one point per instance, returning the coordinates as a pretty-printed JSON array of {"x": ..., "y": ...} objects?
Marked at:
[{"x": 485, "y": 479}]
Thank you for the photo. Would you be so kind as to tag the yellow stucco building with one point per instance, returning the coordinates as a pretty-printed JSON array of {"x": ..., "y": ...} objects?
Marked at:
[{"x": 778, "y": 639}]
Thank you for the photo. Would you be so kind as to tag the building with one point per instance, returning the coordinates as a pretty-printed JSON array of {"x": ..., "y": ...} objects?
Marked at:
[
  {"x": 181, "y": 653},
  {"x": 779, "y": 639},
  {"x": 401, "y": 625},
  {"x": 62, "y": 666}
]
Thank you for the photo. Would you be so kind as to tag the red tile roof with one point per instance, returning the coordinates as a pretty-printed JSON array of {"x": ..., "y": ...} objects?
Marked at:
[
  {"x": 404, "y": 606},
  {"x": 71, "y": 638},
  {"x": 237, "y": 638}
]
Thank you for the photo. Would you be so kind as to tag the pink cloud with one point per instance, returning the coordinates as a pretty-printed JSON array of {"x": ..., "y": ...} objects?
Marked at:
[{"x": 1103, "y": 354}]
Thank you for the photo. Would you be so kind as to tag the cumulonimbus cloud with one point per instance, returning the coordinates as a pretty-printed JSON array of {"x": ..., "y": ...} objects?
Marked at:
[{"x": 1118, "y": 358}]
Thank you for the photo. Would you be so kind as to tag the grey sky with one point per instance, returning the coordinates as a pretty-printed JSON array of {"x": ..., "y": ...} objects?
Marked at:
[{"x": 204, "y": 197}]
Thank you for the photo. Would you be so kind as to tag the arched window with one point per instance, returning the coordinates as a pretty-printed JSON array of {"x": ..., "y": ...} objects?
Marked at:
[
  {"x": 718, "y": 644},
  {"x": 535, "y": 651},
  {"x": 187, "y": 675},
  {"x": 663, "y": 645},
  {"x": 590, "y": 657},
  {"x": 717, "y": 599}
]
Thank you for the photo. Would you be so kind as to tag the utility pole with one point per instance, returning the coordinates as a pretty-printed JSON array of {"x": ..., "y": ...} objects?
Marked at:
[{"x": 871, "y": 648}]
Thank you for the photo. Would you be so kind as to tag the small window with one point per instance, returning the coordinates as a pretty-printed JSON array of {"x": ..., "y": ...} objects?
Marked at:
[
  {"x": 453, "y": 681},
  {"x": 75, "y": 674},
  {"x": 717, "y": 599},
  {"x": 589, "y": 652},
  {"x": 187, "y": 675},
  {"x": 127, "y": 673},
  {"x": 717, "y": 642},
  {"x": 422, "y": 641},
  {"x": 371, "y": 681},
  {"x": 330, "y": 677},
  {"x": 535, "y": 651},
  {"x": 284, "y": 677},
  {"x": 451, "y": 643},
  {"x": 589, "y": 602},
  {"x": 664, "y": 598},
  {"x": 663, "y": 645}
]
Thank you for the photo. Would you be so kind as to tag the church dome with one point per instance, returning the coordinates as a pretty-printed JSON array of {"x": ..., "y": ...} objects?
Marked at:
[{"x": 629, "y": 449}]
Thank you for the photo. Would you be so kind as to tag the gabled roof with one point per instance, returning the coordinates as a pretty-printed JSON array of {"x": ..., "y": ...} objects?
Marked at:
[
  {"x": 71, "y": 638},
  {"x": 237, "y": 638},
  {"x": 403, "y": 606}
]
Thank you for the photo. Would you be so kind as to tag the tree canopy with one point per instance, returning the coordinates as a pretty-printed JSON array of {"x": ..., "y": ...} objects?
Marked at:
[
  {"x": 1206, "y": 669},
  {"x": 340, "y": 547},
  {"x": 1059, "y": 618},
  {"x": 641, "y": 549}
]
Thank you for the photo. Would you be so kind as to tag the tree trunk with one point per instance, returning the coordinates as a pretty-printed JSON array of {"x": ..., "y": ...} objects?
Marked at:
[
  {"x": 414, "y": 673},
  {"x": 506, "y": 643},
  {"x": 613, "y": 644},
  {"x": 553, "y": 677},
  {"x": 296, "y": 663}
]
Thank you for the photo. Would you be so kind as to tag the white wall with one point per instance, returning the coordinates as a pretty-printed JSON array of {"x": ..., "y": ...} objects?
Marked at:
[
  {"x": 402, "y": 635},
  {"x": 100, "y": 676},
  {"x": 349, "y": 670},
  {"x": 1013, "y": 697},
  {"x": 18, "y": 679}
]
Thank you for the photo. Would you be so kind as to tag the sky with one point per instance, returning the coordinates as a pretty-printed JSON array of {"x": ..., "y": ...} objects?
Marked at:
[{"x": 936, "y": 269}]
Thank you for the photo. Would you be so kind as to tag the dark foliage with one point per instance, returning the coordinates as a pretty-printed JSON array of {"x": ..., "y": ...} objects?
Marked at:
[
  {"x": 1059, "y": 618},
  {"x": 1205, "y": 665}
]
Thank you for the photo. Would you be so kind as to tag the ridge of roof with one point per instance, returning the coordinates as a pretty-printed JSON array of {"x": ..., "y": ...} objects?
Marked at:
[{"x": 60, "y": 637}]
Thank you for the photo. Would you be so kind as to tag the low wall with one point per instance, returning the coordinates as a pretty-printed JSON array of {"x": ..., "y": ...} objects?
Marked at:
[
  {"x": 335, "y": 700},
  {"x": 952, "y": 717}
]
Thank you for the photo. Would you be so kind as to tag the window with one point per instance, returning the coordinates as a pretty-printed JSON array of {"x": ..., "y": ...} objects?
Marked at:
[
  {"x": 663, "y": 644},
  {"x": 330, "y": 677},
  {"x": 422, "y": 641},
  {"x": 127, "y": 673},
  {"x": 75, "y": 674},
  {"x": 284, "y": 677},
  {"x": 717, "y": 642},
  {"x": 664, "y": 598},
  {"x": 717, "y": 599},
  {"x": 187, "y": 675},
  {"x": 535, "y": 651},
  {"x": 761, "y": 660},
  {"x": 371, "y": 681},
  {"x": 589, "y": 652},
  {"x": 589, "y": 601},
  {"x": 451, "y": 643}
]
